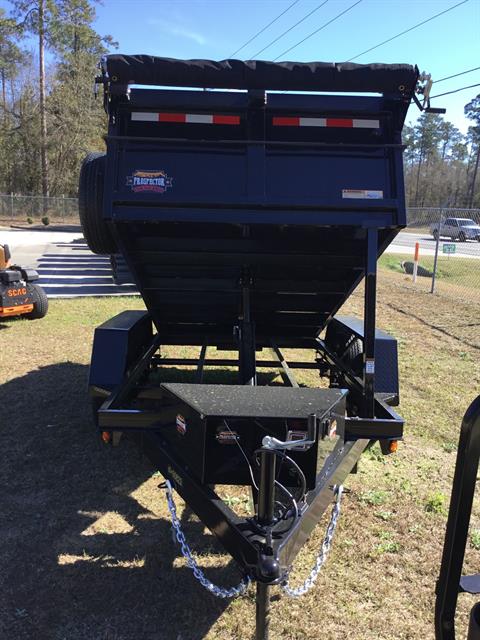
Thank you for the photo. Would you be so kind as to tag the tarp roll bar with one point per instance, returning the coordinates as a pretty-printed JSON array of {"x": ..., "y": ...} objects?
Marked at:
[{"x": 399, "y": 79}]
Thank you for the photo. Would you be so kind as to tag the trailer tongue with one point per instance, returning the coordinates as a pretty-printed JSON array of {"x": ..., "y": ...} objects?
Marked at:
[{"x": 247, "y": 218}]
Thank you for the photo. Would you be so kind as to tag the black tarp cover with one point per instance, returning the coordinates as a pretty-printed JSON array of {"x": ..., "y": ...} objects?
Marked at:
[{"x": 397, "y": 79}]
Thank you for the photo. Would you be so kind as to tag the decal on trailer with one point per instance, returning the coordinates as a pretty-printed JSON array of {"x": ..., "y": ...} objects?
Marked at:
[
  {"x": 362, "y": 194},
  {"x": 227, "y": 437},
  {"x": 370, "y": 366},
  {"x": 154, "y": 180},
  {"x": 181, "y": 424},
  {"x": 176, "y": 477}
]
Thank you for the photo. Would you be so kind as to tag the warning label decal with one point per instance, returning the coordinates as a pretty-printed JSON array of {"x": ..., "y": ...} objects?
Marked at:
[{"x": 362, "y": 194}]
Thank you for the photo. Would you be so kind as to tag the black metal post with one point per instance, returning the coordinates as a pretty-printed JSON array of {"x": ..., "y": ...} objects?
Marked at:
[
  {"x": 262, "y": 611},
  {"x": 463, "y": 491},
  {"x": 369, "y": 322},
  {"x": 246, "y": 338},
  {"x": 201, "y": 364},
  {"x": 266, "y": 490},
  {"x": 437, "y": 245},
  {"x": 266, "y": 507}
]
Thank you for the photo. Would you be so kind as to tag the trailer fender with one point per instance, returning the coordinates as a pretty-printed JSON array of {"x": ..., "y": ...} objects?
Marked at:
[
  {"x": 344, "y": 337},
  {"x": 117, "y": 344}
]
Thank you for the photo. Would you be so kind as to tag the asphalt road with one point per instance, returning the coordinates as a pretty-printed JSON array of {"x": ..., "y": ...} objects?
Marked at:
[
  {"x": 66, "y": 266},
  {"x": 405, "y": 243}
]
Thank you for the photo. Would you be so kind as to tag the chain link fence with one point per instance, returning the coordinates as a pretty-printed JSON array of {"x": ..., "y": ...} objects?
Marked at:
[
  {"x": 448, "y": 239},
  {"x": 448, "y": 250},
  {"x": 33, "y": 210}
]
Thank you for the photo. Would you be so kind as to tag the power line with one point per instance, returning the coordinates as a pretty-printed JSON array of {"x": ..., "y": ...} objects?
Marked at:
[
  {"x": 264, "y": 28},
  {"x": 319, "y": 29},
  {"x": 439, "y": 95},
  {"x": 462, "y": 73},
  {"x": 290, "y": 29},
  {"x": 437, "y": 15}
]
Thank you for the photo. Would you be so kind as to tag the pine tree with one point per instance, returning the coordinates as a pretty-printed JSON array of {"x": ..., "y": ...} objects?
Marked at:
[
  {"x": 69, "y": 120},
  {"x": 472, "y": 111}
]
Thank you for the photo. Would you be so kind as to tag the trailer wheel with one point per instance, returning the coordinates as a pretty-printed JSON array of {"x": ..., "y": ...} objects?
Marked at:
[
  {"x": 40, "y": 302},
  {"x": 354, "y": 356},
  {"x": 90, "y": 205}
]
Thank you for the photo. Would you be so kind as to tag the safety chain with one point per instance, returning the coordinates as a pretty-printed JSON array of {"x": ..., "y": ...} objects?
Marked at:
[
  {"x": 220, "y": 592},
  {"x": 322, "y": 556}
]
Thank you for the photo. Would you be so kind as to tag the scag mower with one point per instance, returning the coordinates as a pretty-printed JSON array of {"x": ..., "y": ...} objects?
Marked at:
[{"x": 19, "y": 293}]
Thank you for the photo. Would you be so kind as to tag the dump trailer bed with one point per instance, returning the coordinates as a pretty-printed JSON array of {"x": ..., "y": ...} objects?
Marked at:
[{"x": 210, "y": 192}]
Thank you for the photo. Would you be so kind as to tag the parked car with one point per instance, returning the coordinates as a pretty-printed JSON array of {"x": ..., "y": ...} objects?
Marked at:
[{"x": 461, "y": 229}]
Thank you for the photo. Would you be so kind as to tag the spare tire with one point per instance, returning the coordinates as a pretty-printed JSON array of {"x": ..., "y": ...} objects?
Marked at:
[{"x": 90, "y": 205}]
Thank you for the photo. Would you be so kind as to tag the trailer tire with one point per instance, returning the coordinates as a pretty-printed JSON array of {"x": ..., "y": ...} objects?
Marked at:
[
  {"x": 90, "y": 205},
  {"x": 354, "y": 356},
  {"x": 40, "y": 302}
]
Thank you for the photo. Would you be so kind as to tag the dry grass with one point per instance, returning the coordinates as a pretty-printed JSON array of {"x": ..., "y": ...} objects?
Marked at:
[{"x": 87, "y": 552}]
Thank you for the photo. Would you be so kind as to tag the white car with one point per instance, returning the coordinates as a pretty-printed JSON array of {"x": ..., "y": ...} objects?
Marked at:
[{"x": 461, "y": 229}]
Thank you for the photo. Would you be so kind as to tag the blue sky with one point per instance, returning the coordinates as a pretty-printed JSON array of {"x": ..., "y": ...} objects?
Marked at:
[{"x": 216, "y": 28}]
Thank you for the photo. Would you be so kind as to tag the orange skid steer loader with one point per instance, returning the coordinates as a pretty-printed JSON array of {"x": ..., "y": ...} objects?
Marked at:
[{"x": 18, "y": 293}]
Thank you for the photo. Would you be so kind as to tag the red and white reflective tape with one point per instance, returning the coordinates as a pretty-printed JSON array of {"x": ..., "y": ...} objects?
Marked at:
[
  {"x": 278, "y": 121},
  {"x": 348, "y": 123},
  {"x": 185, "y": 118}
]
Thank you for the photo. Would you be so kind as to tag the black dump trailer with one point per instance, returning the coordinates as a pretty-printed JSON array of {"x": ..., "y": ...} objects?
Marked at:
[{"x": 249, "y": 200}]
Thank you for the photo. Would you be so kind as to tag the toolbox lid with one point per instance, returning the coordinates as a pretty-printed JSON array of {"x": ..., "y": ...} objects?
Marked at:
[
  {"x": 397, "y": 79},
  {"x": 243, "y": 401}
]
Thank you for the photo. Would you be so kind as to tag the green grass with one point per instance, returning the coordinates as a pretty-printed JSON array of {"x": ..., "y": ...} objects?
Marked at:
[
  {"x": 464, "y": 272},
  {"x": 475, "y": 539},
  {"x": 384, "y": 515},
  {"x": 436, "y": 504},
  {"x": 374, "y": 498},
  {"x": 91, "y": 518},
  {"x": 388, "y": 544}
]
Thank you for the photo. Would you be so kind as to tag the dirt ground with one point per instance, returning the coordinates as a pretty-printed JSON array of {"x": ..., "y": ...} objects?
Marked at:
[{"x": 87, "y": 551}]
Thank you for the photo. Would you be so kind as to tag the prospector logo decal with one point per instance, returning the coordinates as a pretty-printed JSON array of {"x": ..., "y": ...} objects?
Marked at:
[{"x": 149, "y": 180}]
